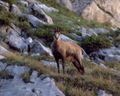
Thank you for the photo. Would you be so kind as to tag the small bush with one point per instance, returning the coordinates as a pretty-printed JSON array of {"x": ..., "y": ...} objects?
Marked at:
[
  {"x": 117, "y": 41},
  {"x": 26, "y": 77},
  {"x": 24, "y": 24},
  {"x": 79, "y": 33},
  {"x": 11, "y": 1},
  {"x": 94, "y": 43},
  {"x": 6, "y": 17}
]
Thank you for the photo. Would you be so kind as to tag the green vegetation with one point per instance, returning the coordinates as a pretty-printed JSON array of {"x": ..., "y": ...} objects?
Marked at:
[
  {"x": 72, "y": 83},
  {"x": 23, "y": 23},
  {"x": 115, "y": 35},
  {"x": 27, "y": 61},
  {"x": 26, "y": 77},
  {"x": 7, "y": 17},
  {"x": 69, "y": 19},
  {"x": 117, "y": 41},
  {"x": 5, "y": 75},
  {"x": 114, "y": 65},
  {"x": 94, "y": 43},
  {"x": 11, "y": 1},
  {"x": 94, "y": 79}
]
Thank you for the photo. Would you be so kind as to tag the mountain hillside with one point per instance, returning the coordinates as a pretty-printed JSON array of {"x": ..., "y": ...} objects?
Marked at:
[
  {"x": 27, "y": 65},
  {"x": 103, "y": 11}
]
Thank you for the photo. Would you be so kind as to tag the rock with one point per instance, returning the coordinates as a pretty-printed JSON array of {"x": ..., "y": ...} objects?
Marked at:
[
  {"x": 103, "y": 65},
  {"x": 48, "y": 9},
  {"x": 100, "y": 10},
  {"x": 44, "y": 7},
  {"x": 92, "y": 31},
  {"x": 15, "y": 9},
  {"x": 24, "y": 3},
  {"x": 49, "y": 19},
  {"x": 15, "y": 70},
  {"x": 31, "y": 1},
  {"x": 110, "y": 54},
  {"x": 38, "y": 11},
  {"x": 29, "y": 40},
  {"x": 16, "y": 41},
  {"x": 34, "y": 76},
  {"x": 2, "y": 66},
  {"x": 40, "y": 87},
  {"x": 87, "y": 32},
  {"x": 3, "y": 51},
  {"x": 2, "y": 57},
  {"x": 38, "y": 48},
  {"x": 50, "y": 64},
  {"x": 65, "y": 38},
  {"x": 35, "y": 21},
  {"x": 103, "y": 93},
  {"x": 66, "y": 3},
  {"x": 76, "y": 37},
  {"x": 4, "y": 5}
]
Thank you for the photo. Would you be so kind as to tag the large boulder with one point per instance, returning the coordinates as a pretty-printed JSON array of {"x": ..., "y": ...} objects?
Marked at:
[
  {"x": 111, "y": 54},
  {"x": 100, "y": 10},
  {"x": 15, "y": 9},
  {"x": 4, "y": 5},
  {"x": 66, "y": 3},
  {"x": 103, "y": 93},
  {"x": 16, "y": 41},
  {"x": 50, "y": 64},
  {"x": 36, "y": 22},
  {"x": 39, "y": 86},
  {"x": 24, "y": 3},
  {"x": 66, "y": 38},
  {"x": 3, "y": 51},
  {"x": 37, "y": 48},
  {"x": 15, "y": 70},
  {"x": 38, "y": 10},
  {"x": 92, "y": 31},
  {"x": 45, "y": 8}
]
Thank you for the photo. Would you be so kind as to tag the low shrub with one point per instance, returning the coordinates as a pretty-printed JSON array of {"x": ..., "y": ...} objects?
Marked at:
[
  {"x": 117, "y": 41},
  {"x": 24, "y": 24},
  {"x": 6, "y": 17},
  {"x": 11, "y": 1},
  {"x": 94, "y": 43}
]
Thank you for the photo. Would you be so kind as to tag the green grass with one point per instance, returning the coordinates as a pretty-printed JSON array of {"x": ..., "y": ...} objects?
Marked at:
[
  {"x": 11, "y": 1},
  {"x": 72, "y": 83},
  {"x": 6, "y": 17},
  {"x": 26, "y": 77},
  {"x": 114, "y": 65},
  {"x": 94, "y": 79},
  {"x": 66, "y": 16},
  {"x": 27, "y": 61}
]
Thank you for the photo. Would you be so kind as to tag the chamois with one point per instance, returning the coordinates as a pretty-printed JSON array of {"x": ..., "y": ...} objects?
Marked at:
[{"x": 65, "y": 50}]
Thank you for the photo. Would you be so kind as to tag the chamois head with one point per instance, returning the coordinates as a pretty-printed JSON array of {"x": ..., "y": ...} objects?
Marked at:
[{"x": 57, "y": 33}]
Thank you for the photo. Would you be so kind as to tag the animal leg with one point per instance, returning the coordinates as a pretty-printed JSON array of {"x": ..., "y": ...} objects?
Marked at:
[
  {"x": 75, "y": 63},
  {"x": 58, "y": 67},
  {"x": 82, "y": 70},
  {"x": 63, "y": 65},
  {"x": 78, "y": 66}
]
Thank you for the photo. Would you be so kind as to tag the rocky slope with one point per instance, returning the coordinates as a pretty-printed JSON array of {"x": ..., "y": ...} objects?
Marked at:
[
  {"x": 27, "y": 66},
  {"x": 104, "y": 11}
]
